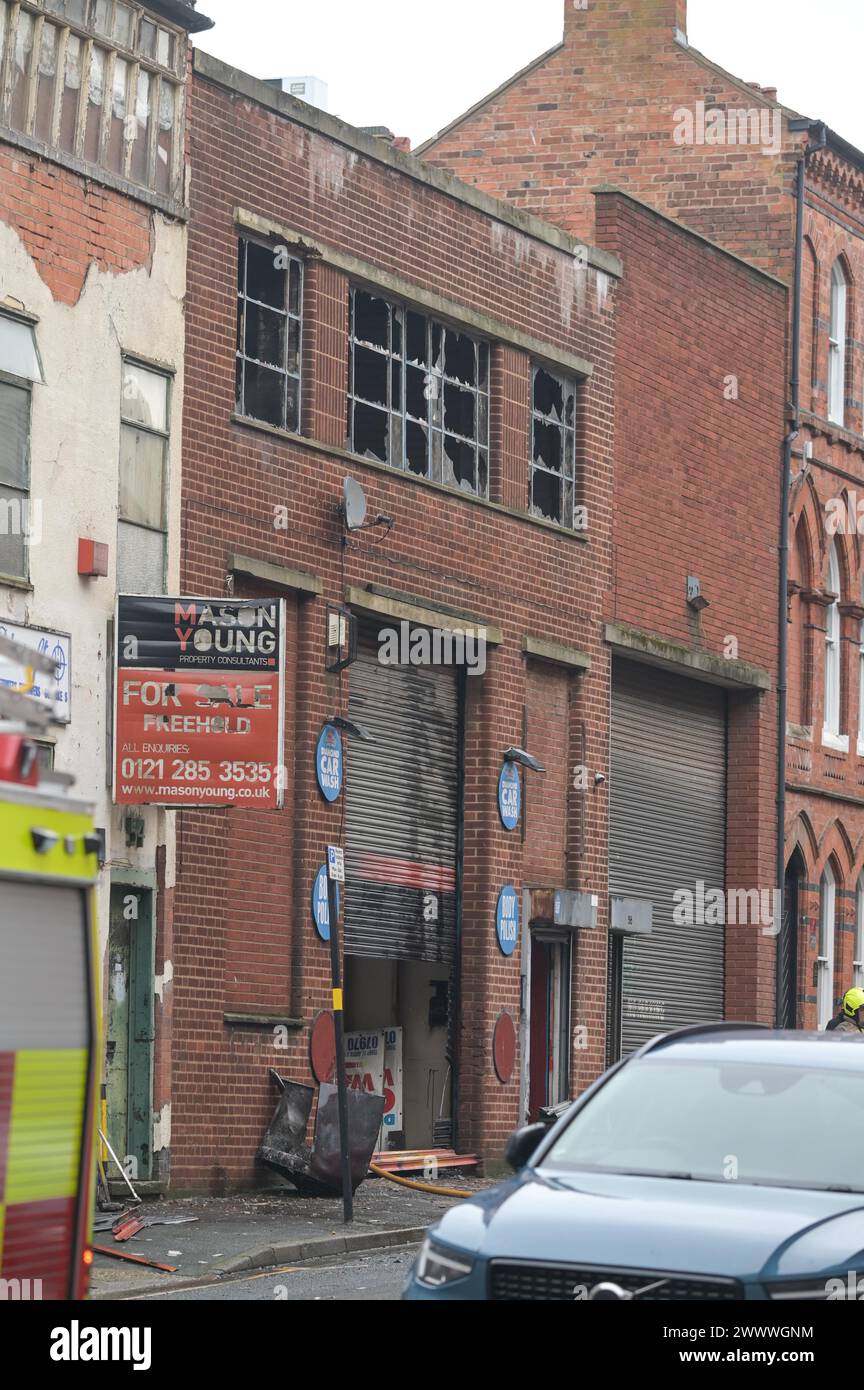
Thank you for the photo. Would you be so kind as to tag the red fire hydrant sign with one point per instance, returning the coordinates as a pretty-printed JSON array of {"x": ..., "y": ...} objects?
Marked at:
[{"x": 199, "y": 702}]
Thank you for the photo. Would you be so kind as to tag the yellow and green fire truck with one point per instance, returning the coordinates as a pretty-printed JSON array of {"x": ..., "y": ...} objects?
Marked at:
[{"x": 49, "y": 1031}]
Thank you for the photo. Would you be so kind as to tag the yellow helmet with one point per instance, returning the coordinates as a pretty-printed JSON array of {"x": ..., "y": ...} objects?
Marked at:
[{"x": 853, "y": 1002}]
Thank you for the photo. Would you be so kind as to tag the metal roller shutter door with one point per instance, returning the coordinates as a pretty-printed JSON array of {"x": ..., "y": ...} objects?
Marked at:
[
  {"x": 402, "y": 811},
  {"x": 668, "y": 832}
]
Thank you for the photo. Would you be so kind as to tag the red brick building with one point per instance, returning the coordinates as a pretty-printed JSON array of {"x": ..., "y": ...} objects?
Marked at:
[
  {"x": 455, "y": 357},
  {"x": 624, "y": 100}
]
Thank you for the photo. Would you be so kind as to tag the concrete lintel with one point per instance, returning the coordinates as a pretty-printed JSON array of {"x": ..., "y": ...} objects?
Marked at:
[
  {"x": 555, "y": 654},
  {"x": 654, "y": 650},
  {"x": 423, "y": 614},
  {"x": 418, "y": 295},
  {"x": 276, "y": 575}
]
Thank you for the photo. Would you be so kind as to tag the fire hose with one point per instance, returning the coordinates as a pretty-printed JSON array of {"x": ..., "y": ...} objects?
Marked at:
[{"x": 418, "y": 1186}]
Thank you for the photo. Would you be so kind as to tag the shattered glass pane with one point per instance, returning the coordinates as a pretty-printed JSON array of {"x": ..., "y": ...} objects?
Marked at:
[
  {"x": 460, "y": 361},
  {"x": 548, "y": 395},
  {"x": 263, "y": 281},
  {"x": 459, "y": 411},
  {"x": 416, "y": 403},
  {"x": 416, "y": 348},
  {"x": 293, "y": 358},
  {"x": 546, "y": 496},
  {"x": 483, "y": 365},
  {"x": 483, "y": 419},
  {"x": 482, "y": 473},
  {"x": 548, "y": 445},
  {"x": 417, "y": 449},
  {"x": 295, "y": 286},
  {"x": 570, "y": 410},
  {"x": 396, "y": 330},
  {"x": 567, "y": 512},
  {"x": 265, "y": 335},
  {"x": 396, "y": 386},
  {"x": 460, "y": 464},
  {"x": 264, "y": 395},
  {"x": 371, "y": 320},
  {"x": 370, "y": 375},
  {"x": 370, "y": 432},
  {"x": 436, "y": 357},
  {"x": 396, "y": 441}
]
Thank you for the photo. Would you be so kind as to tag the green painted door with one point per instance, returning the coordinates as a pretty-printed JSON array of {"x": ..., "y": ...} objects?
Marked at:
[{"x": 130, "y": 1033}]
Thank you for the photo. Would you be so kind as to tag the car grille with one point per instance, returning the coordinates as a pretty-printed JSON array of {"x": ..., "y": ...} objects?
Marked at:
[{"x": 512, "y": 1282}]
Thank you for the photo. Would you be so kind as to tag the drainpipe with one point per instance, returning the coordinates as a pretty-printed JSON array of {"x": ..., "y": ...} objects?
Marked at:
[{"x": 800, "y": 124}]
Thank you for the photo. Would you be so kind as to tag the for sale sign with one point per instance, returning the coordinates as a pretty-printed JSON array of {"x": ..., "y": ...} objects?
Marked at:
[{"x": 198, "y": 702}]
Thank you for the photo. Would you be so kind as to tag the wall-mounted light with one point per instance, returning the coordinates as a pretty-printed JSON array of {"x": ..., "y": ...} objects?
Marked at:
[
  {"x": 695, "y": 598},
  {"x": 346, "y": 726},
  {"x": 518, "y": 755}
]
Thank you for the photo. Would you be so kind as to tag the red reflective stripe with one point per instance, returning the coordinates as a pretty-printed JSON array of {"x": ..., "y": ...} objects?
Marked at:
[
  {"x": 7, "y": 1075},
  {"x": 37, "y": 1244}
]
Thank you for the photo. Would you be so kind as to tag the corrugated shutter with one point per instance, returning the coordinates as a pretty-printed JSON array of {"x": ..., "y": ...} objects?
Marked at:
[
  {"x": 668, "y": 832},
  {"x": 402, "y": 811}
]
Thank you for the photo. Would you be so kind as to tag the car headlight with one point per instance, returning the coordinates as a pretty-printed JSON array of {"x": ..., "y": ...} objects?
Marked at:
[{"x": 438, "y": 1266}]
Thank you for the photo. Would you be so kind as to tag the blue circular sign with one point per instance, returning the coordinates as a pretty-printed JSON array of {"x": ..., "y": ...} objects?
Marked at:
[
  {"x": 321, "y": 903},
  {"x": 509, "y": 796},
  {"x": 329, "y": 763},
  {"x": 507, "y": 920}
]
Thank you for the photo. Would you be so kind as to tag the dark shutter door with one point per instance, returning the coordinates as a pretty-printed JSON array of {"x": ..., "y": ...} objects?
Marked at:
[
  {"x": 402, "y": 811},
  {"x": 668, "y": 832}
]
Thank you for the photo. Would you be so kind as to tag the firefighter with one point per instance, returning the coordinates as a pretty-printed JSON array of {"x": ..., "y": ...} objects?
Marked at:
[{"x": 851, "y": 1017}]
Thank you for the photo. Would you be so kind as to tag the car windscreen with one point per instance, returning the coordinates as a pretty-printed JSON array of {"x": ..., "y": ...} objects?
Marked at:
[{"x": 722, "y": 1121}]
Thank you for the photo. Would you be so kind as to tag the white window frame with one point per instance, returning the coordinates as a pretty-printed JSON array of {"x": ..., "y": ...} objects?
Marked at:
[
  {"x": 825, "y": 959},
  {"x": 30, "y": 375},
  {"x": 831, "y": 735},
  {"x": 837, "y": 345},
  {"x": 128, "y": 422}
]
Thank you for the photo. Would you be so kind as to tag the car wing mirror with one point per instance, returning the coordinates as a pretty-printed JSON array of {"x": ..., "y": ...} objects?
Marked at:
[{"x": 523, "y": 1144}]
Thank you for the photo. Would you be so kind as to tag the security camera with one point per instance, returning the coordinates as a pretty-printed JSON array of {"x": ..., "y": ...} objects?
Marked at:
[{"x": 599, "y": 779}]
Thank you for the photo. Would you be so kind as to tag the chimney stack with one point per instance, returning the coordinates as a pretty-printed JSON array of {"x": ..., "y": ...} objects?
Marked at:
[{"x": 631, "y": 18}]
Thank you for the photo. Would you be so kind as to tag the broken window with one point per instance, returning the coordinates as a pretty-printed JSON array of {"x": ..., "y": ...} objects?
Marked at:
[
  {"x": 117, "y": 106},
  {"x": 553, "y": 447},
  {"x": 269, "y": 297},
  {"x": 418, "y": 394}
]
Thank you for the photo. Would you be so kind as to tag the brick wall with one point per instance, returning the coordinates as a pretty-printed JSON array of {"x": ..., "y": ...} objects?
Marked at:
[
  {"x": 697, "y": 479},
  {"x": 242, "y": 914},
  {"x": 68, "y": 222}
]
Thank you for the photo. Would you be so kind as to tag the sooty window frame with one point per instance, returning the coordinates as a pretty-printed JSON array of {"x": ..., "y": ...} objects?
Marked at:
[
  {"x": 553, "y": 434},
  {"x": 251, "y": 365},
  {"x": 418, "y": 393}
]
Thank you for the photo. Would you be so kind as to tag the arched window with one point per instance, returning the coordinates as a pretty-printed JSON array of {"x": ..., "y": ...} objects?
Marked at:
[
  {"x": 831, "y": 731},
  {"x": 837, "y": 346},
  {"x": 825, "y": 963}
]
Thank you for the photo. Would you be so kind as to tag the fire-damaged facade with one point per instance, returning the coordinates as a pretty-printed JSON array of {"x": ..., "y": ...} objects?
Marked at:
[
  {"x": 401, "y": 423},
  {"x": 398, "y": 423}
]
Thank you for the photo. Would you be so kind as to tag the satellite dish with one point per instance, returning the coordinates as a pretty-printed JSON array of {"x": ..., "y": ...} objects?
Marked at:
[{"x": 354, "y": 505}]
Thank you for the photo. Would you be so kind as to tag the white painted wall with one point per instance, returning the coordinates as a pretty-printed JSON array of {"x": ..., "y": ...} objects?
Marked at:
[{"x": 75, "y": 443}]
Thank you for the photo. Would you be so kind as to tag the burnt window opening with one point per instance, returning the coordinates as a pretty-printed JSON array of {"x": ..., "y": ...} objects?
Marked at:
[
  {"x": 553, "y": 447},
  {"x": 269, "y": 332},
  {"x": 418, "y": 394}
]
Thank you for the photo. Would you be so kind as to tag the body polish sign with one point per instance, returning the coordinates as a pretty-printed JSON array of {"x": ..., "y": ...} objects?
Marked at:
[{"x": 198, "y": 702}]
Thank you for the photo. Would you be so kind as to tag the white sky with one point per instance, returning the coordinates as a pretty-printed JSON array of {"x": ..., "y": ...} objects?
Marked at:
[{"x": 414, "y": 66}]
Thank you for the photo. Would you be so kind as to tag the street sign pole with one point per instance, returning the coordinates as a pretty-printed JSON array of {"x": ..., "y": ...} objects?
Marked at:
[{"x": 335, "y": 865}]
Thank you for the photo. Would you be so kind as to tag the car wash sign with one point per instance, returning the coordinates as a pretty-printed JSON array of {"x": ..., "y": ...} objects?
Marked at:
[{"x": 198, "y": 702}]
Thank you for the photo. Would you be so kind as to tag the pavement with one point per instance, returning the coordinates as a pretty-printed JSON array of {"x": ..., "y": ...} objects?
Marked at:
[{"x": 264, "y": 1230}]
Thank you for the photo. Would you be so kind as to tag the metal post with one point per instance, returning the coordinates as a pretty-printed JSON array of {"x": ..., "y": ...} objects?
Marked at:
[{"x": 339, "y": 1022}]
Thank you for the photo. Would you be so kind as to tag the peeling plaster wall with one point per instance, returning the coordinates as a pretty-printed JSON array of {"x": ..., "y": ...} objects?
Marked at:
[{"x": 75, "y": 440}]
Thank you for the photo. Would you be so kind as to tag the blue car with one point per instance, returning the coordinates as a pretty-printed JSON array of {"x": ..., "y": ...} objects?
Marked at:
[{"x": 717, "y": 1163}]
